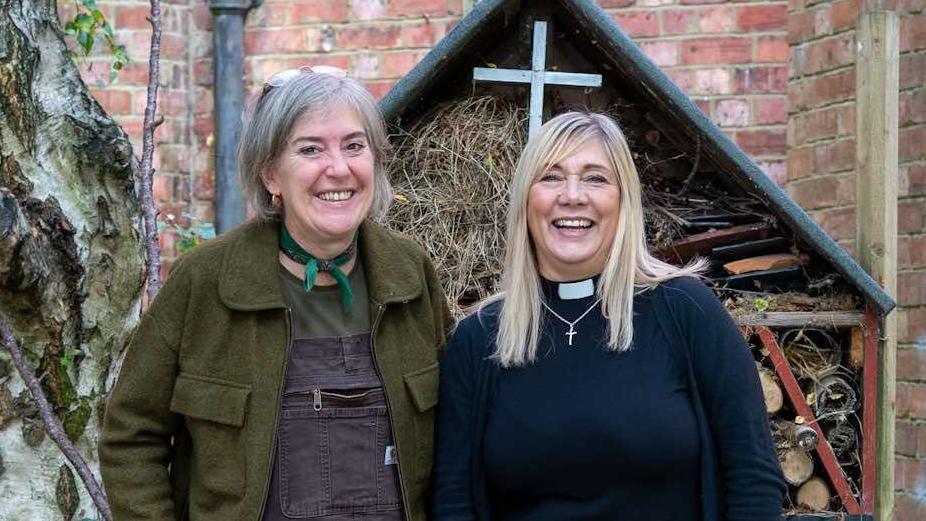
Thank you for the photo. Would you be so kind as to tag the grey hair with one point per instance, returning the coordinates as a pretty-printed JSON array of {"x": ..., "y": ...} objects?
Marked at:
[
  {"x": 629, "y": 267},
  {"x": 270, "y": 119}
]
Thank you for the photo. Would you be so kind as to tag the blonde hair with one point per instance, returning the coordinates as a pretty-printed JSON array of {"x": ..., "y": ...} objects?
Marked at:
[{"x": 629, "y": 266}]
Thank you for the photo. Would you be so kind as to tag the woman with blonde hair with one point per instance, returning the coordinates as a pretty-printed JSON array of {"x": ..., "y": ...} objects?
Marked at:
[{"x": 601, "y": 383}]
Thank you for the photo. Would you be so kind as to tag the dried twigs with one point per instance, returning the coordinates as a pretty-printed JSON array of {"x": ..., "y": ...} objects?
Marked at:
[
  {"x": 52, "y": 425},
  {"x": 145, "y": 172}
]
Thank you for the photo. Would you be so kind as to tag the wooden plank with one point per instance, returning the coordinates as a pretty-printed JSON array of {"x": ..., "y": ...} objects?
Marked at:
[
  {"x": 803, "y": 319},
  {"x": 870, "y": 412},
  {"x": 762, "y": 262},
  {"x": 701, "y": 243},
  {"x": 796, "y": 395},
  {"x": 877, "y": 87},
  {"x": 857, "y": 349}
]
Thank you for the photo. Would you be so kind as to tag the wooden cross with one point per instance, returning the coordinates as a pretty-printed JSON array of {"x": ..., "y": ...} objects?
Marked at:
[{"x": 537, "y": 77}]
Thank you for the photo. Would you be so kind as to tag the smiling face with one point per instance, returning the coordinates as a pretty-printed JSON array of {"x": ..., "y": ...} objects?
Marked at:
[
  {"x": 324, "y": 176},
  {"x": 572, "y": 214}
]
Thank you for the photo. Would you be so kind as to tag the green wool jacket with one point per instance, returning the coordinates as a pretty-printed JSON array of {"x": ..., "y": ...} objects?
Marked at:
[{"x": 190, "y": 426}]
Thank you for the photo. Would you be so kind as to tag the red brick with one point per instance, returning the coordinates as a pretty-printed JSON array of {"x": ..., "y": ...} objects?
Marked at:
[
  {"x": 912, "y": 70},
  {"x": 905, "y": 438},
  {"x": 772, "y": 49},
  {"x": 202, "y": 16},
  {"x": 417, "y": 8},
  {"x": 132, "y": 17},
  {"x": 114, "y": 102},
  {"x": 824, "y": 55},
  {"x": 368, "y": 9},
  {"x": 800, "y": 27},
  {"x": 911, "y": 252},
  {"x": 911, "y": 290},
  {"x": 379, "y": 88},
  {"x": 839, "y": 223},
  {"x": 366, "y": 37},
  {"x": 757, "y": 80},
  {"x": 711, "y": 81},
  {"x": 912, "y": 141},
  {"x": 162, "y": 188},
  {"x": 663, "y": 52},
  {"x": 812, "y": 126},
  {"x": 820, "y": 90},
  {"x": 422, "y": 35},
  {"x": 313, "y": 11},
  {"x": 844, "y": 14},
  {"x": 834, "y": 156},
  {"x": 911, "y": 364},
  {"x": 204, "y": 187},
  {"x": 762, "y": 142},
  {"x": 911, "y": 398},
  {"x": 777, "y": 170},
  {"x": 911, "y": 328},
  {"x": 721, "y": 19},
  {"x": 909, "y": 507},
  {"x": 638, "y": 23},
  {"x": 823, "y": 192},
  {"x": 397, "y": 64},
  {"x": 723, "y": 50},
  {"x": 912, "y": 32},
  {"x": 913, "y": 179},
  {"x": 732, "y": 113},
  {"x": 910, "y": 217},
  {"x": 269, "y": 15},
  {"x": 913, "y": 473},
  {"x": 679, "y": 21},
  {"x": 691, "y": 2},
  {"x": 607, "y": 4},
  {"x": 770, "y": 111},
  {"x": 912, "y": 107},
  {"x": 265, "y": 41},
  {"x": 800, "y": 162},
  {"x": 762, "y": 17}
]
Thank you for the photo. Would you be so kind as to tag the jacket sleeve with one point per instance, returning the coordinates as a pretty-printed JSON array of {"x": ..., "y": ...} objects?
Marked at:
[
  {"x": 453, "y": 493},
  {"x": 751, "y": 482},
  {"x": 135, "y": 445}
]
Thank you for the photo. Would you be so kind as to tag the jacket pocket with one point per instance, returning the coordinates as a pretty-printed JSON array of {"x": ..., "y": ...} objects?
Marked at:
[
  {"x": 211, "y": 399},
  {"x": 422, "y": 386},
  {"x": 214, "y": 413}
]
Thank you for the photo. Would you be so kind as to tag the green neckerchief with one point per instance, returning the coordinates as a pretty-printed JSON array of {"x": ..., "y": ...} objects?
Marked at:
[{"x": 312, "y": 265}]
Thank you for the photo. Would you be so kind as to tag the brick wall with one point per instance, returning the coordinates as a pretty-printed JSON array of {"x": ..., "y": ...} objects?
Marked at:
[
  {"x": 821, "y": 178},
  {"x": 777, "y": 76}
]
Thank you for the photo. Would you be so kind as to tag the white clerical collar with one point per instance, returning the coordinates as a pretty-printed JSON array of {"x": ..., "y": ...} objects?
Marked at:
[{"x": 575, "y": 290}]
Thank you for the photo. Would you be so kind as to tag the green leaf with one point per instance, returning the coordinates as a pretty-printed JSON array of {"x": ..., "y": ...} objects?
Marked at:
[
  {"x": 85, "y": 40},
  {"x": 84, "y": 21},
  {"x": 762, "y": 304},
  {"x": 89, "y": 4},
  {"x": 98, "y": 16}
]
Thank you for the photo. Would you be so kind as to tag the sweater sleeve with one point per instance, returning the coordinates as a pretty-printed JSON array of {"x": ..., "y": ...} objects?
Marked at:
[
  {"x": 457, "y": 406},
  {"x": 751, "y": 482}
]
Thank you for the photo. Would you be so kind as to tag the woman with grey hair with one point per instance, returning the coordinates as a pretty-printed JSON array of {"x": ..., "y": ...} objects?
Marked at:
[
  {"x": 601, "y": 383},
  {"x": 288, "y": 369}
]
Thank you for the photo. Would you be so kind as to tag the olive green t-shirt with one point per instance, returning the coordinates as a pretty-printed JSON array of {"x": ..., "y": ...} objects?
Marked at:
[{"x": 321, "y": 313}]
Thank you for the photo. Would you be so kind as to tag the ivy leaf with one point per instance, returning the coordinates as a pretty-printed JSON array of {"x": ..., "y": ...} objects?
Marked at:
[
  {"x": 85, "y": 39},
  {"x": 89, "y": 4},
  {"x": 84, "y": 22}
]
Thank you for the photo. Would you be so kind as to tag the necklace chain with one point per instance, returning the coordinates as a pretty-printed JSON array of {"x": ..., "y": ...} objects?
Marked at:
[{"x": 572, "y": 325}]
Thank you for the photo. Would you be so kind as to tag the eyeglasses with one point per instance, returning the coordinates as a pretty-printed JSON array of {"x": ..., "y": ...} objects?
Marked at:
[{"x": 283, "y": 77}]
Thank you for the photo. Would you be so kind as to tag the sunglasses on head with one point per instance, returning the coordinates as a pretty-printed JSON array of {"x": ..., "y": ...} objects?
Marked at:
[{"x": 283, "y": 77}]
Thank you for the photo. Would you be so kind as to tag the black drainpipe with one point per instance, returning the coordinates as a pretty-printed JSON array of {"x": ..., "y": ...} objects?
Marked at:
[{"x": 228, "y": 102}]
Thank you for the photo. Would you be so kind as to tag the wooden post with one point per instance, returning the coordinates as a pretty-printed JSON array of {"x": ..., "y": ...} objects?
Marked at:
[{"x": 877, "y": 84}]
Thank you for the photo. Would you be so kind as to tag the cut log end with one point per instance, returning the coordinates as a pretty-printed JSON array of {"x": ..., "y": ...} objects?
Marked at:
[
  {"x": 796, "y": 465},
  {"x": 774, "y": 397},
  {"x": 814, "y": 495}
]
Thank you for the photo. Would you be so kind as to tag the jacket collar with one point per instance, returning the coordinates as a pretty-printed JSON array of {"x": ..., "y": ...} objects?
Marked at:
[{"x": 250, "y": 274}]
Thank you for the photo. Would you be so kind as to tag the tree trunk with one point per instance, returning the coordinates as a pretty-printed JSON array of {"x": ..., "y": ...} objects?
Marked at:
[{"x": 71, "y": 261}]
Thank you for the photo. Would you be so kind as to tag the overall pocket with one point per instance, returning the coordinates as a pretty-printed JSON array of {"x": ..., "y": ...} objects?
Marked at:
[{"x": 332, "y": 454}]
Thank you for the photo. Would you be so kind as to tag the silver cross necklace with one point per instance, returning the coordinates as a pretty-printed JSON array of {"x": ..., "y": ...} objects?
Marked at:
[{"x": 572, "y": 325}]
